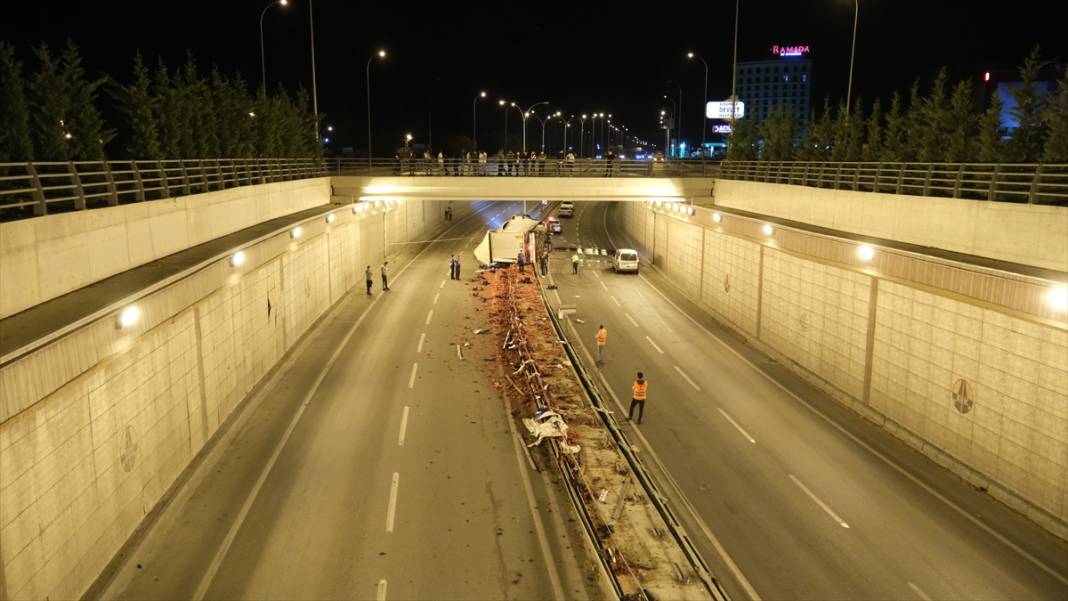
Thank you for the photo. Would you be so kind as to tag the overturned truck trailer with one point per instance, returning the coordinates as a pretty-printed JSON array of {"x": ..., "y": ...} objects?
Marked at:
[{"x": 503, "y": 244}]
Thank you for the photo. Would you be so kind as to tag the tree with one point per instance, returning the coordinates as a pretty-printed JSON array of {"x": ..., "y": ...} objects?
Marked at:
[
  {"x": 50, "y": 102},
  {"x": 310, "y": 147},
  {"x": 15, "y": 141},
  {"x": 959, "y": 145},
  {"x": 138, "y": 127},
  {"x": 743, "y": 140},
  {"x": 199, "y": 109},
  {"x": 167, "y": 113},
  {"x": 874, "y": 128},
  {"x": 912, "y": 124},
  {"x": 780, "y": 134},
  {"x": 1025, "y": 146},
  {"x": 895, "y": 145},
  {"x": 847, "y": 133},
  {"x": 1056, "y": 147},
  {"x": 84, "y": 122},
  {"x": 931, "y": 122},
  {"x": 991, "y": 133},
  {"x": 816, "y": 142}
]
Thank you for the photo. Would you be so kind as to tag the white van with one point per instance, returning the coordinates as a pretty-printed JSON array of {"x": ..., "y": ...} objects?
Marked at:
[
  {"x": 625, "y": 259},
  {"x": 567, "y": 209}
]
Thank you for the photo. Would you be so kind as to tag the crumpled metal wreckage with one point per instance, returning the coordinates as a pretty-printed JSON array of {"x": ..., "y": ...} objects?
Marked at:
[{"x": 547, "y": 423}]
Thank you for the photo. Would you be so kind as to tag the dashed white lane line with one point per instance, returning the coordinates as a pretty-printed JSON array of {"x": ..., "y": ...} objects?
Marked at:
[
  {"x": 442, "y": 284},
  {"x": 428, "y": 316},
  {"x": 436, "y": 298},
  {"x": 631, "y": 319},
  {"x": 919, "y": 592},
  {"x": 596, "y": 275},
  {"x": 411, "y": 378},
  {"x": 419, "y": 348},
  {"x": 403, "y": 427},
  {"x": 687, "y": 378},
  {"x": 380, "y": 590},
  {"x": 660, "y": 350},
  {"x": 616, "y": 301},
  {"x": 822, "y": 505},
  {"x": 391, "y": 511},
  {"x": 602, "y": 285},
  {"x": 735, "y": 424}
]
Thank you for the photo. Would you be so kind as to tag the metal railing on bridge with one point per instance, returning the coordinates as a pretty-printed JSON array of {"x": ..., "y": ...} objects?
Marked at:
[{"x": 40, "y": 188}]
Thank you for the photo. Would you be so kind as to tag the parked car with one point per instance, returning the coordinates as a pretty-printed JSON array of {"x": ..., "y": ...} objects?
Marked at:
[
  {"x": 567, "y": 209},
  {"x": 625, "y": 259},
  {"x": 554, "y": 225}
]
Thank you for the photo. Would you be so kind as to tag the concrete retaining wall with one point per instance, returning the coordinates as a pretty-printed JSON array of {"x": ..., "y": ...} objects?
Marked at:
[
  {"x": 45, "y": 257},
  {"x": 122, "y": 413},
  {"x": 891, "y": 351},
  {"x": 1028, "y": 234}
]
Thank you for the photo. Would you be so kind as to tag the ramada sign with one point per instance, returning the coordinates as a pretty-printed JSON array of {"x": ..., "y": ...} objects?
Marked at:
[{"x": 790, "y": 50}]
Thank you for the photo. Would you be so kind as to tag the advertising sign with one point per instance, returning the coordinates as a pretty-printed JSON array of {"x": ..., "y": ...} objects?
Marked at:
[
  {"x": 723, "y": 128},
  {"x": 788, "y": 51},
  {"x": 722, "y": 110}
]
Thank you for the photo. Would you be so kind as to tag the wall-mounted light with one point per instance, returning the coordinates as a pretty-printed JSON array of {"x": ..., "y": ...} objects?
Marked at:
[
  {"x": 865, "y": 253},
  {"x": 1057, "y": 297},
  {"x": 717, "y": 217},
  {"x": 767, "y": 229},
  {"x": 237, "y": 259},
  {"x": 330, "y": 217},
  {"x": 129, "y": 316},
  {"x": 296, "y": 232}
]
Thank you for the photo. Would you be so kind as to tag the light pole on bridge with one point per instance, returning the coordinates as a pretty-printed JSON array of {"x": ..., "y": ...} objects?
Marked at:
[
  {"x": 474, "y": 118},
  {"x": 380, "y": 54},
  {"x": 263, "y": 55},
  {"x": 704, "y": 100}
]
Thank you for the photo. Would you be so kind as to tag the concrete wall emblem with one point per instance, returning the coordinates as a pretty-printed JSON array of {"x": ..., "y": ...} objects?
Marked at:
[
  {"x": 963, "y": 395},
  {"x": 727, "y": 283},
  {"x": 128, "y": 450}
]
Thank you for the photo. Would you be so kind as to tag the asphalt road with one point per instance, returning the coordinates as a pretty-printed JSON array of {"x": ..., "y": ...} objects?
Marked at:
[
  {"x": 790, "y": 497},
  {"x": 373, "y": 464}
]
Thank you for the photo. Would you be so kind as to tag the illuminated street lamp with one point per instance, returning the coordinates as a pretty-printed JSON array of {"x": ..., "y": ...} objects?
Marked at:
[
  {"x": 525, "y": 114},
  {"x": 704, "y": 120},
  {"x": 263, "y": 58},
  {"x": 474, "y": 118},
  {"x": 381, "y": 54}
]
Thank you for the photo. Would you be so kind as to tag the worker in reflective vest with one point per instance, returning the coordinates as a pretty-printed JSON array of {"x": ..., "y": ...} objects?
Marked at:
[
  {"x": 639, "y": 392},
  {"x": 602, "y": 338}
]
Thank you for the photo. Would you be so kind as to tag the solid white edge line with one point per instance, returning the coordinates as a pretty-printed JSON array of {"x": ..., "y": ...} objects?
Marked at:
[
  {"x": 660, "y": 350},
  {"x": 919, "y": 592},
  {"x": 411, "y": 378},
  {"x": 735, "y": 424},
  {"x": 428, "y": 316},
  {"x": 889, "y": 462},
  {"x": 535, "y": 515},
  {"x": 700, "y": 521},
  {"x": 631, "y": 319},
  {"x": 819, "y": 502},
  {"x": 391, "y": 511},
  {"x": 239, "y": 520},
  {"x": 380, "y": 590},
  {"x": 436, "y": 298},
  {"x": 403, "y": 427},
  {"x": 683, "y": 374},
  {"x": 419, "y": 348}
]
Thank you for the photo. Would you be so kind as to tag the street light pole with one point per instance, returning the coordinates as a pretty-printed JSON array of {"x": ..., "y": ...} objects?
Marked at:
[
  {"x": 315, "y": 89},
  {"x": 474, "y": 118},
  {"x": 704, "y": 100},
  {"x": 852, "y": 51},
  {"x": 379, "y": 54},
  {"x": 734, "y": 74},
  {"x": 263, "y": 55},
  {"x": 582, "y": 137},
  {"x": 525, "y": 114}
]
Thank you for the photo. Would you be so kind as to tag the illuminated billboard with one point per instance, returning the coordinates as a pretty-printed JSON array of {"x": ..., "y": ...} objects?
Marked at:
[
  {"x": 722, "y": 110},
  {"x": 788, "y": 51}
]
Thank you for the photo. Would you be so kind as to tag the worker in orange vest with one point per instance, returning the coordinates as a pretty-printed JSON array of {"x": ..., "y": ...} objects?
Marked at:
[
  {"x": 602, "y": 338},
  {"x": 639, "y": 392}
]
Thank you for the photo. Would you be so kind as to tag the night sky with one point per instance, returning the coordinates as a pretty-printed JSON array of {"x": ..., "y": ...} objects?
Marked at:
[{"x": 616, "y": 57}]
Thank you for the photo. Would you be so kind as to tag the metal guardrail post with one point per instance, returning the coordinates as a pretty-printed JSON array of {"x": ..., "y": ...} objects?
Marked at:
[
  {"x": 219, "y": 173},
  {"x": 164, "y": 180},
  {"x": 838, "y": 177},
  {"x": 204, "y": 187},
  {"x": 1036, "y": 180},
  {"x": 185, "y": 178},
  {"x": 76, "y": 180},
  {"x": 856, "y": 177},
  {"x": 927, "y": 179},
  {"x": 900, "y": 178},
  {"x": 878, "y": 175},
  {"x": 113, "y": 192},
  {"x": 41, "y": 206},
  {"x": 957, "y": 183},
  {"x": 140, "y": 195},
  {"x": 991, "y": 193}
]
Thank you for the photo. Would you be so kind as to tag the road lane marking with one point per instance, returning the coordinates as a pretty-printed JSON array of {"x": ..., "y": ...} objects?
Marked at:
[
  {"x": 403, "y": 427},
  {"x": 419, "y": 348},
  {"x": 616, "y": 301},
  {"x": 596, "y": 275},
  {"x": 442, "y": 284},
  {"x": 428, "y": 316},
  {"x": 391, "y": 512},
  {"x": 411, "y": 378},
  {"x": 380, "y": 590},
  {"x": 823, "y": 505},
  {"x": 919, "y": 592},
  {"x": 242, "y": 514},
  {"x": 683, "y": 374},
  {"x": 660, "y": 350},
  {"x": 631, "y": 319},
  {"x": 436, "y": 298},
  {"x": 735, "y": 424},
  {"x": 602, "y": 285}
]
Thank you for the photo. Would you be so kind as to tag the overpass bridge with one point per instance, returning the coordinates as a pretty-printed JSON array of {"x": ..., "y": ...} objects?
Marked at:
[{"x": 806, "y": 315}]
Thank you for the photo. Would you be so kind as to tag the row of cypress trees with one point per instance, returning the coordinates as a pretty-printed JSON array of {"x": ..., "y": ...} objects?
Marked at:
[
  {"x": 939, "y": 125},
  {"x": 51, "y": 110}
]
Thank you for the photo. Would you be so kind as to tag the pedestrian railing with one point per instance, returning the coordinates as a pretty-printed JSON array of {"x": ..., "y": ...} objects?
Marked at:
[
  {"x": 1033, "y": 183},
  {"x": 40, "y": 188}
]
